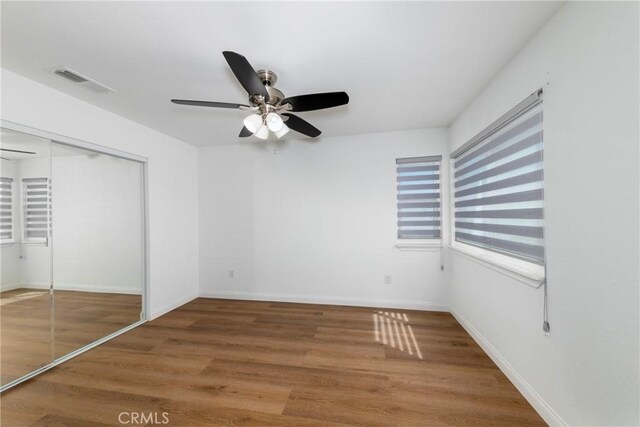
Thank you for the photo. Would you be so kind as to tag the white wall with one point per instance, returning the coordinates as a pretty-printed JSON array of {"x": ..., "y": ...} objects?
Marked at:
[
  {"x": 172, "y": 173},
  {"x": 316, "y": 222},
  {"x": 586, "y": 371}
]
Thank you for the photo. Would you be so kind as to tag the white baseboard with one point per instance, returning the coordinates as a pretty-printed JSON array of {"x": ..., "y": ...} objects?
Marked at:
[
  {"x": 9, "y": 287},
  {"x": 171, "y": 306},
  {"x": 313, "y": 299},
  {"x": 81, "y": 288},
  {"x": 547, "y": 413}
]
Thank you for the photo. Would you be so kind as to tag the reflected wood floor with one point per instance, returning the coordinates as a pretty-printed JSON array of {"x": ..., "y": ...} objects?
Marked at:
[
  {"x": 226, "y": 362},
  {"x": 30, "y": 338}
]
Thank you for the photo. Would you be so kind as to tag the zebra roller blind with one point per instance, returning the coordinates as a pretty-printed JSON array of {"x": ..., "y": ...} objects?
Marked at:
[
  {"x": 498, "y": 186},
  {"x": 37, "y": 209},
  {"x": 418, "y": 189},
  {"x": 6, "y": 210}
]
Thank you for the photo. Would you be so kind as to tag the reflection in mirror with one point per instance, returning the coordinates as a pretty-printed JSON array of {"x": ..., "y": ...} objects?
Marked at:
[
  {"x": 26, "y": 255},
  {"x": 72, "y": 250},
  {"x": 98, "y": 245}
]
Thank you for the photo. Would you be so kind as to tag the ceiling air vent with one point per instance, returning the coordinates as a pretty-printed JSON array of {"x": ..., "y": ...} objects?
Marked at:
[
  {"x": 75, "y": 77},
  {"x": 70, "y": 75}
]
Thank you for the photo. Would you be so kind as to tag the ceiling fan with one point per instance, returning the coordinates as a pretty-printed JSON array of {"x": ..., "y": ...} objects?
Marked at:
[{"x": 271, "y": 110}]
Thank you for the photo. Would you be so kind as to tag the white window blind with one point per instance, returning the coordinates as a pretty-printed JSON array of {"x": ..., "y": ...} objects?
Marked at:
[
  {"x": 498, "y": 186},
  {"x": 418, "y": 193},
  {"x": 6, "y": 210},
  {"x": 36, "y": 198}
]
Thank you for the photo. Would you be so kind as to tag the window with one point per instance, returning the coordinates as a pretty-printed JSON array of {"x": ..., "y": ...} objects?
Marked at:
[
  {"x": 418, "y": 187},
  {"x": 498, "y": 185},
  {"x": 6, "y": 210},
  {"x": 36, "y": 196}
]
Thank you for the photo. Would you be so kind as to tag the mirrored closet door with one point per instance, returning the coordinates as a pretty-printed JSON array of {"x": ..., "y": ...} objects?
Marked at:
[
  {"x": 98, "y": 241},
  {"x": 73, "y": 250}
]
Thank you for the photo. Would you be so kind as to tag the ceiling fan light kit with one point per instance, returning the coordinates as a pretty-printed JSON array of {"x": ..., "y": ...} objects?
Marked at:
[
  {"x": 282, "y": 132},
  {"x": 271, "y": 110},
  {"x": 253, "y": 122},
  {"x": 262, "y": 133},
  {"x": 274, "y": 122}
]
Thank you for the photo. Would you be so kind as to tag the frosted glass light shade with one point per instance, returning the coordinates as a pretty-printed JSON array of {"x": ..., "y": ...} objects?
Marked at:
[
  {"x": 262, "y": 133},
  {"x": 274, "y": 122},
  {"x": 253, "y": 123},
  {"x": 282, "y": 132}
]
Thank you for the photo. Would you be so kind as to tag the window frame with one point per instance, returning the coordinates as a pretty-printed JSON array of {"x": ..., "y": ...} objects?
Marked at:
[
  {"x": 42, "y": 241},
  {"x": 422, "y": 244},
  {"x": 528, "y": 272},
  {"x": 11, "y": 240}
]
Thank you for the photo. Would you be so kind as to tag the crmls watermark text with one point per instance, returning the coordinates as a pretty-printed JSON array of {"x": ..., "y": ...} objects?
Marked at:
[{"x": 133, "y": 418}]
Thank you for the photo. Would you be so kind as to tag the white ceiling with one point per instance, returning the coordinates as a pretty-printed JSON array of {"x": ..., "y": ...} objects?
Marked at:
[{"x": 405, "y": 65}]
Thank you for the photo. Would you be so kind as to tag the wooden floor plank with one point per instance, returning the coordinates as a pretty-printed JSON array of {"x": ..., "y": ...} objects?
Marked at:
[{"x": 250, "y": 363}]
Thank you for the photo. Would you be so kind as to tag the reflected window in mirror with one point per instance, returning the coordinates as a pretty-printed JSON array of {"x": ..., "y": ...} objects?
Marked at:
[
  {"x": 36, "y": 221},
  {"x": 6, "y": 210}
]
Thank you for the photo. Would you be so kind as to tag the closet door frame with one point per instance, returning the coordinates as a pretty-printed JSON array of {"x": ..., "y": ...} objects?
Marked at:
[{"x": 76, "y": 143}]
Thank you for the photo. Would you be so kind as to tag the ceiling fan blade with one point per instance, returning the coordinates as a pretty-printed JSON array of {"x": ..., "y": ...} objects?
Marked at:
[
  {"x": 316, "y": 101},
  {"x": 302, "y": 126},
  {"x": 245, "y": 132},
  {"x": 17, "y": 151},
  {"x": 245, "y": 74},
  {"x": 207, "y": 103}
]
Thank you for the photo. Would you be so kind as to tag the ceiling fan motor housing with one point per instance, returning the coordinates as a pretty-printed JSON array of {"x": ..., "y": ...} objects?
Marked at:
[{"x": 269, "y": 79}]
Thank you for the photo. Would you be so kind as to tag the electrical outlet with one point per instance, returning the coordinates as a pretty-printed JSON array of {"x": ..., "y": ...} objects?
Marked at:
[
  {"x": 387, "y": 280},
  {"x": 232, "y": 274}
]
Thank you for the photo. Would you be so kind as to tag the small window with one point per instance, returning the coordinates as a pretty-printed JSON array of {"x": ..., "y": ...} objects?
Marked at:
[
  {"x": 418, "y": 189},
  {"x": 6, "y": 210},
  {"x": 36, "y": 196},
  {"x": 498, "y": 186}
]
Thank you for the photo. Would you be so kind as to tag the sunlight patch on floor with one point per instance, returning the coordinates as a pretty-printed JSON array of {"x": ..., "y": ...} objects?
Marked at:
[{"x": 391, "y": 328}]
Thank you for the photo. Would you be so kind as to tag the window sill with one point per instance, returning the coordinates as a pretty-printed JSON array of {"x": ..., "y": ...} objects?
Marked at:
[
  {"x": 419, "y": 246},
  {"x": 525, "y": 272},
  {"x": 32, "y": 243}
]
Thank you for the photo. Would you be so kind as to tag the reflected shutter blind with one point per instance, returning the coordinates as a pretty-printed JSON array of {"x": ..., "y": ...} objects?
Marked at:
[
  {"x": 418, "y": 193},
  {"x": 37, "y": 209},
  {"x": 6, "y": 209},
  {"x": 499, "y": 193}
]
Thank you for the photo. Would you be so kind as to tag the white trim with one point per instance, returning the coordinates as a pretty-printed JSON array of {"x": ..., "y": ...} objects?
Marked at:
[
  {"x": 9, "y": 287},
  {"x": 65, "y": 140},
  {"x": 79, "y": 287},
  {"x": 170, "y": 307},
  {"x": 525, "y": 272},
  {"x": 419, "y": 247},
  {"x": 35, "y": 285},
  {"x": 547, "y": 413},
  {"x": 314, "y": 299},
  {"x": 146, "y": 246}
]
